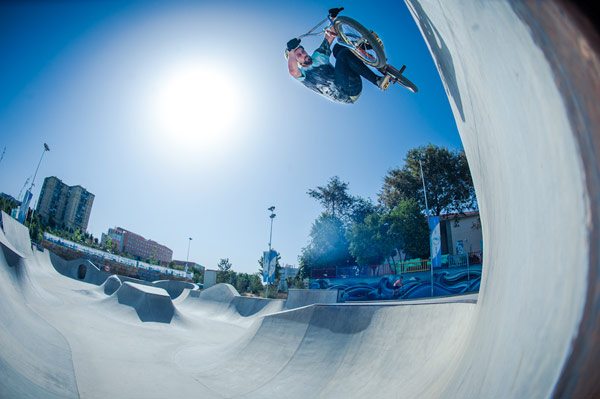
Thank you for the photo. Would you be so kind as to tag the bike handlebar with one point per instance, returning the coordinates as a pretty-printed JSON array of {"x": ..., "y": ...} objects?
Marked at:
[{"x": 333, "y": 12}]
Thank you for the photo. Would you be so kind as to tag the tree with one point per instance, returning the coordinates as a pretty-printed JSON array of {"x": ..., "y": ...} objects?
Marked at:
[
  {"x": 295, "y": 282},
  {"x": 334, "y": 197},
  {"x": 447, "y": 179},
  {"x": 255, "y": 285},
  {"x": 198, "y": 277},
  {"x": 408, "y": 229},
  {"x": 360, "y": 209},
  {"x": 242, "y": 282},
  {"x": 109, "y": 245},
  {"x": 371, "y": 241},
  {"x": 7, "y": 204},
  {"x": 225, "y": 274},
  {"x": 36, "y": 228},
  {"x": 327, "y": 247},
  {"x": 77, "y": 236},
  {"x": 224, "y": 265}
]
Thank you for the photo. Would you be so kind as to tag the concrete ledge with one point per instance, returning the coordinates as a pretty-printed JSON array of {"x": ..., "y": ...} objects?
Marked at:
[{"x": 298, "y": 297}]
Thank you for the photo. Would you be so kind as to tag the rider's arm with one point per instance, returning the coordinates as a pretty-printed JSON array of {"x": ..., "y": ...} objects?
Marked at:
[
  {"x": 330, "y": 35},
  {"x": 293, "y": 65},
  {"x": 324, "y": 48}
]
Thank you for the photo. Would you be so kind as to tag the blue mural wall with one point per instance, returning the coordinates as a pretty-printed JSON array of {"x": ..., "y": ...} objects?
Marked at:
[{"x": 401, "y": 287}]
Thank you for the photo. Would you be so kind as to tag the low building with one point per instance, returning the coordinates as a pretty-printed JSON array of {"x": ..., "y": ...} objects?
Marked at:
[
  {"x": 135, "y": 245},
  {"x": 461, "y": 233},
  {"x": 210, "y": 278}
]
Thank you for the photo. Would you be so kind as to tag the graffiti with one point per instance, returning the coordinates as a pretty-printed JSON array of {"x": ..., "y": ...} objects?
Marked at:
[{"x": 401, "y": 287}]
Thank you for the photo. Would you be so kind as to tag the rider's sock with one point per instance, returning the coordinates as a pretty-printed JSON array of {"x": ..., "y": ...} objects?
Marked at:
[{"x": 383, "y": 82}]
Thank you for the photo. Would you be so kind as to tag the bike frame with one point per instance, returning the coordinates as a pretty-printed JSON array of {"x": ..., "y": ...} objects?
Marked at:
[{"x": 329, "y": 21}]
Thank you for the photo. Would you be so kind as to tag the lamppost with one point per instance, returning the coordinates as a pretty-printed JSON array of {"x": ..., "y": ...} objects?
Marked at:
[
  {"x": 187, "y": 259},
  {"x": 46, "y": 148},
  {"x": 272, "y": 216},
  {"x": 20, "y": 213},
  {"x": 427, "y": 210},
  {"x": 267, "y": 266}
]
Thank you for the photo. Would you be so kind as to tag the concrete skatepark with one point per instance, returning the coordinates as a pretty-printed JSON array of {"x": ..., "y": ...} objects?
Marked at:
[{"x": 523, "y": 81}]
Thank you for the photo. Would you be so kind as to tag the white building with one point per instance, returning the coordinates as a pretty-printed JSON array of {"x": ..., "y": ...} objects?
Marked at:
[{"x": 461, "y": 233}]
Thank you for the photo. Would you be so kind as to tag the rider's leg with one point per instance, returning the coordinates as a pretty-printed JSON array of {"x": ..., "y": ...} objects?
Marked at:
[
  {"x": 348, "y": 63},
  {"x": 346, "y": 79}
]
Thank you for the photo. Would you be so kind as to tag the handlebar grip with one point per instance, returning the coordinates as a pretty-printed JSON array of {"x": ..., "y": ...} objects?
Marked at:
[{"x": 333, "y": 12}]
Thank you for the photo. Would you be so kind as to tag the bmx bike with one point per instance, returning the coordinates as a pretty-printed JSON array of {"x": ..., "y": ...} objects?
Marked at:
[{"x": 364, "y": 43}]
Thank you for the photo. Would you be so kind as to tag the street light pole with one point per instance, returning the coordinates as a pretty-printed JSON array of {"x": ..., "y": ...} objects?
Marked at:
[
  {"x": 272, "y": 217},
  {"x": 187, "y": 259},
  {"x": 46, "y": 148},
  {"x": 20, "y": 213},
  {"x": 427, "y": 210}
]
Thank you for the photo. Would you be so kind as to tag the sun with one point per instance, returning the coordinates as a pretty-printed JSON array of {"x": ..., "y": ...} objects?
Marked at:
[{"x": 197, "y": 106}]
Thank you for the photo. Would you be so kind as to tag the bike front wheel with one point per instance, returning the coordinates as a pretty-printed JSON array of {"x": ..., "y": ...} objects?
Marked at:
[{"x": 363, "y": 43}]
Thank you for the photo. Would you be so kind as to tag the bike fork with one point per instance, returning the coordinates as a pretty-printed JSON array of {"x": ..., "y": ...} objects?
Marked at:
[{"x": 394, "y": 73}]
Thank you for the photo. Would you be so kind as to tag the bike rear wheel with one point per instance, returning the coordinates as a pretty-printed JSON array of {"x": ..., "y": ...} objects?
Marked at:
[{"x": 362, "y": 42}]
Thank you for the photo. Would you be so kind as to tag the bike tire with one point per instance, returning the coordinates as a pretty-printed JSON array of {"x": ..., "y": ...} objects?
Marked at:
[
  {"x": 366, "y": 34},
  {"x": 404, "y": 81},
  {"x": 408, "y": 84}
]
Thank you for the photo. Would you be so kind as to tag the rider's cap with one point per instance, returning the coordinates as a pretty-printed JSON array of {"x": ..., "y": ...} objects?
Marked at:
[{"x": 293, "y": 44}]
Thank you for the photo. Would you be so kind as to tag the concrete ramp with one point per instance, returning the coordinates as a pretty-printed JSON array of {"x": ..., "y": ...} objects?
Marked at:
[
  {"x": 17, "y": 234},
  {"x": 523, "y": 82},
  {"x": 174, "y": 287},
  {"x": 150, "y": 303},
  {"x": 79, "y": 269},
  {"x": 111, "y": 285},
  {"x": 522, "y": 79},
  {"x": 35, "y": 358},
  {"x": 11, "y": 254},
  {"x": 345, "y": 351},
  {"x": 222, "y": 301}
]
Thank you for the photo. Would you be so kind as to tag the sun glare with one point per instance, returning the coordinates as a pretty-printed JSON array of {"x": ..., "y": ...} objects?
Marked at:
[{"x": 197, "y": 106}]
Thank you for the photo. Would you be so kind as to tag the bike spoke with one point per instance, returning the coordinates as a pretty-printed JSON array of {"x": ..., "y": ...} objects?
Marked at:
[{"x": 359, "y": 43}]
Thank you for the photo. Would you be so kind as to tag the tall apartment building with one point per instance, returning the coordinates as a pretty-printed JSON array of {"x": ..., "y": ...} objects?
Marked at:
[
  {"x": 63, "y": 205},
  {"x": 136, "y": 245}
]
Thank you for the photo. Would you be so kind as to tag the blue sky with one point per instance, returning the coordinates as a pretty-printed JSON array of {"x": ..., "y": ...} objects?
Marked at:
[{"x": 101, "y": 83}]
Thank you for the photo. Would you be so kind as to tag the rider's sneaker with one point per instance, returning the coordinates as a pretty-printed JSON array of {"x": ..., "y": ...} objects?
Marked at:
[{"x": 384, "y": 82}]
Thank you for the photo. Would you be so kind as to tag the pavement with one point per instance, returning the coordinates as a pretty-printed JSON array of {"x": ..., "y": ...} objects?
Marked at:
[{"x": 521, "y": 80}]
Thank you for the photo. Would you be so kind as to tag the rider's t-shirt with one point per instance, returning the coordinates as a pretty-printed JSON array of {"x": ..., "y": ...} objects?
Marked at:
[{"x": 320, "y": 76}]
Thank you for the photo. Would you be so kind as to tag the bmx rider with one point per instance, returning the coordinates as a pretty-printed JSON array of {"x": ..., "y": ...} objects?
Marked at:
[{"x": 340, "y": 83}]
